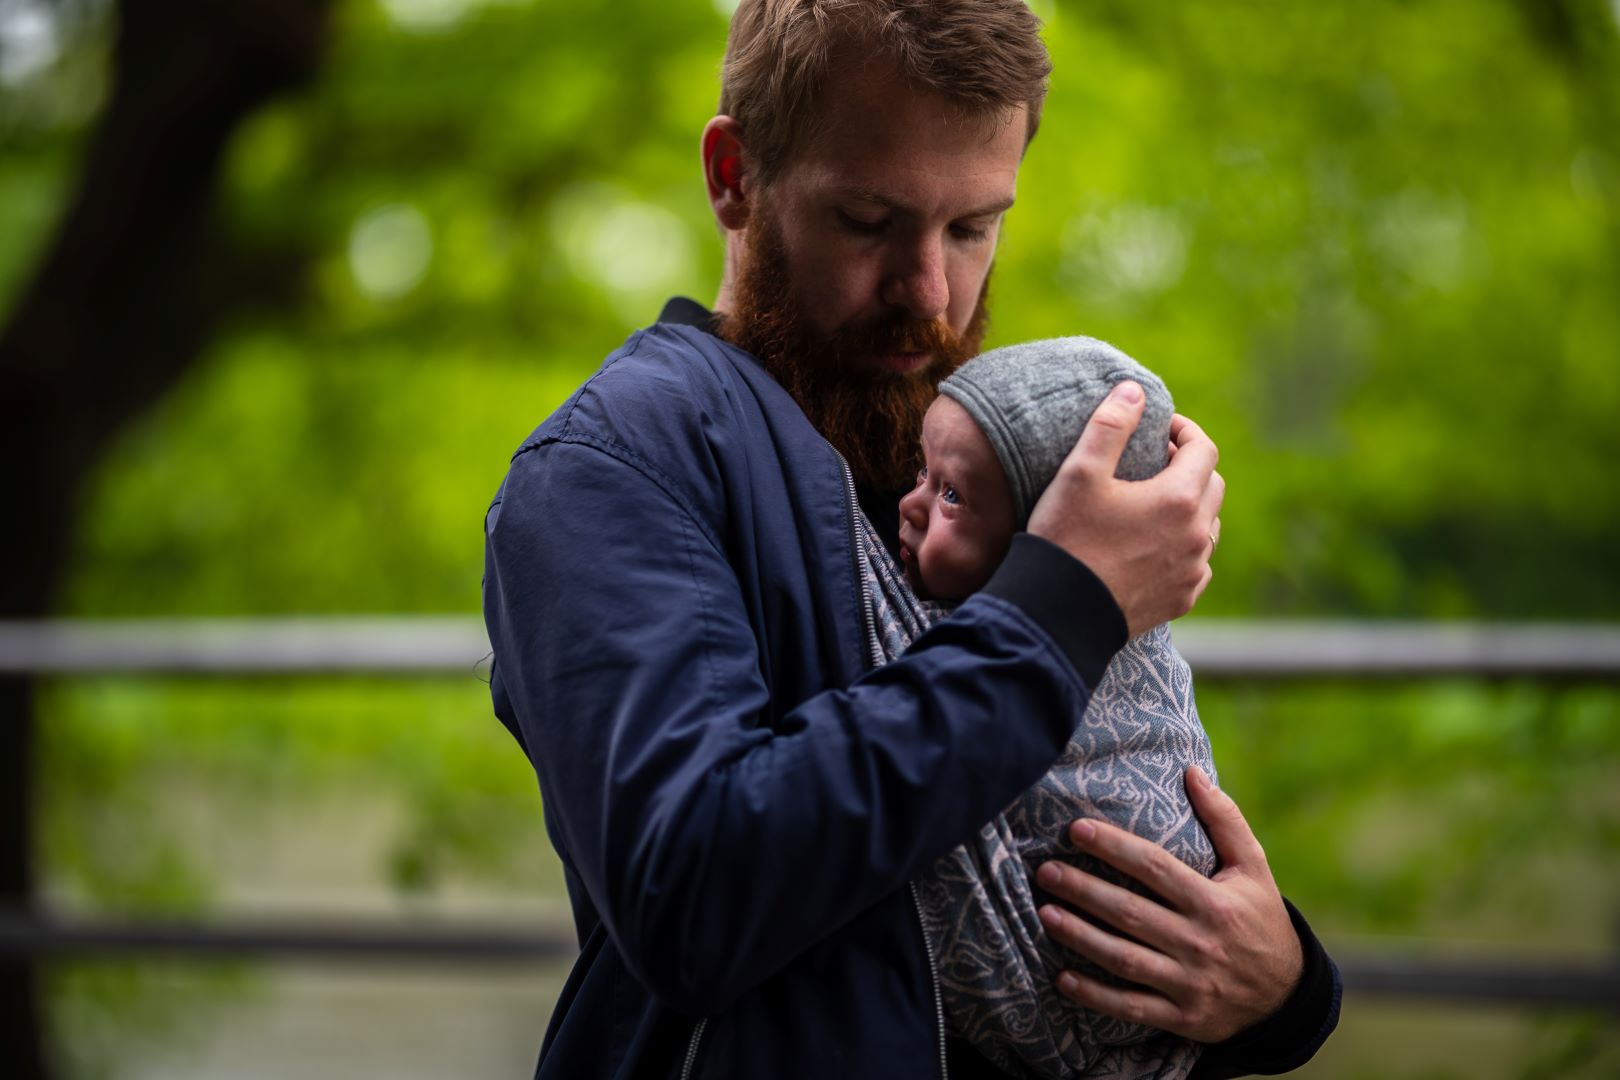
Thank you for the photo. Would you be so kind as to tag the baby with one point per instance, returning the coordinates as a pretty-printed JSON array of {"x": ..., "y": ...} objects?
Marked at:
[{"x": 991, "y": 443}]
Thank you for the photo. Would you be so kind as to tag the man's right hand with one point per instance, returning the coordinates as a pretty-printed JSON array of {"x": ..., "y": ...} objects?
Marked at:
[{"x": 1148, "y": 540}]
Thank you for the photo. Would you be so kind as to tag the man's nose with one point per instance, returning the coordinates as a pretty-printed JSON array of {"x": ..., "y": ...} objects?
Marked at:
[{"x": 917, "y": 280}]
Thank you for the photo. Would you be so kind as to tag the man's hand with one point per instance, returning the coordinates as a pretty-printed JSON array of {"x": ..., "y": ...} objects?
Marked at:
[
  {"x": 1148, "y": 540},
  {"x": 1221, "y": 957}
]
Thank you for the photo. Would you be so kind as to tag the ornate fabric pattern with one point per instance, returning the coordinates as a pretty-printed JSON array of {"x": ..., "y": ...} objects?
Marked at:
[{"x": 1124, "y": 765}]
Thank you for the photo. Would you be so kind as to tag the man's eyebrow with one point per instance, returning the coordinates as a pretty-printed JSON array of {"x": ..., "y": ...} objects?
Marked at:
[
  {"x": 889, "y": 202},
  {"x": 1000, "y": 206}
]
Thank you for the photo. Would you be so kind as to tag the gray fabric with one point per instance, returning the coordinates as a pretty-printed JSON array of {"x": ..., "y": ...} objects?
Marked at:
[
  {"x": 996, "y": 967},
  {"x": 1032, "y": 400}
]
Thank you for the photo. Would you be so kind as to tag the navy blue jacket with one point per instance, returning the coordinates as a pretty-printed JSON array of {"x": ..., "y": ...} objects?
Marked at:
[{"x": 738, "y": 800}]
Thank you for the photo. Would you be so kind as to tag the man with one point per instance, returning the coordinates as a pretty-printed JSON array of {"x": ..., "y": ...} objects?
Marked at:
[{"x": 737, "y": 798}]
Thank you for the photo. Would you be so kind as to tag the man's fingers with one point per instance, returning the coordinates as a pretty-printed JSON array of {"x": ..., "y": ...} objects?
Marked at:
[
  {"x": 1184, "y": 429},
  {"x": 1214, "y": 495},
  {"x": 1110, "y": 952},
  {"x": 1141, "y": 860},
  {"x": 1196, "y": 454},
  {"x": 1204, "y": 579},
  {"x": 1102, "y": 443},
  {"x": 1228, "y": 830},
  {"x": 1132, "y": 1006},
  {"x": 1125, "y": 911}
]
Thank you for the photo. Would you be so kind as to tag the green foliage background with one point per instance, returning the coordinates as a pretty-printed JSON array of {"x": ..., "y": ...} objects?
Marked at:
[{"x": 1373, "y": 248}]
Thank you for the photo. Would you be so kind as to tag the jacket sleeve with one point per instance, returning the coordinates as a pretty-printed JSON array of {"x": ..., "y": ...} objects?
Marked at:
[
  {"x": 716, "y": 846},
  {"x": 1294, "y": 1033}
]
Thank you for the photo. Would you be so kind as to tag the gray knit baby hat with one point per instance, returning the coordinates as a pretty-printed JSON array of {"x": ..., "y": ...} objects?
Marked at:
[{"x": 1032, "y": 400}]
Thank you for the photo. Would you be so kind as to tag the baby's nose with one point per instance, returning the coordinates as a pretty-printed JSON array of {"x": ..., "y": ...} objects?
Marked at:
[{"x": 911, "y": 508}]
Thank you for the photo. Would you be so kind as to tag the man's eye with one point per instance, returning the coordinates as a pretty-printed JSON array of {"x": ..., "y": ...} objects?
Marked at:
[
  {"x": 970, "y": 233},
  {"x": 861, "y": 226},
  {"x": 948, "y": 493}
]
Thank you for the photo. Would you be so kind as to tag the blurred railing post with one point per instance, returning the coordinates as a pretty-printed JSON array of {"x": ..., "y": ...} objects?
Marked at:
[{"x": 20, "y": 1014}]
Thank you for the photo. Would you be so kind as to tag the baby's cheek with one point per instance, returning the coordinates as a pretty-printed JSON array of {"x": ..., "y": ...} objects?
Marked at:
[
  {"x": 947, "y": 574},
  {"x": 976, "y": 565}
]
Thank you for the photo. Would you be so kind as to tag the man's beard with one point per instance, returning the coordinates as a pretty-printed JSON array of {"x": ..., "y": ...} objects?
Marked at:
[{"x": 870, "y": 415}]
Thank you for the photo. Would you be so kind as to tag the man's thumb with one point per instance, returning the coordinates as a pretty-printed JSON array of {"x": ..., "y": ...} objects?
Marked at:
[
  {"x": 1102, "y": 443},
  {"x": 1234, "y": 841}
]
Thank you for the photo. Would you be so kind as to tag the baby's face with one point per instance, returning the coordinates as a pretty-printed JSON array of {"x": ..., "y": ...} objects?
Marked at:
[{"x": 955, "y": 525}]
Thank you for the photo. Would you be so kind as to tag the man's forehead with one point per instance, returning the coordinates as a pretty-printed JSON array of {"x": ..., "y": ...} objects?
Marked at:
[
  {"x": 885, "y": 138},
  {"x": 918, "y": 184},
  {"x": 871, "y": 87}
]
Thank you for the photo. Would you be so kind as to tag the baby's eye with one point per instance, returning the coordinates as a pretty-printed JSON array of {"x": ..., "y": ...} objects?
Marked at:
[
  {"x": 922, "y": 475},
  {"x": 948, "y": 493}
]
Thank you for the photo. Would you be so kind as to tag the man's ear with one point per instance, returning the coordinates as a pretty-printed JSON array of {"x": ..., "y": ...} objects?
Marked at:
[{"x": 725, "y": 173}]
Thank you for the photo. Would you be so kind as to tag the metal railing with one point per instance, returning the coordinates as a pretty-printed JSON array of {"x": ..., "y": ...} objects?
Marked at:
[
  {"x": 1221, "y": 648},
  {"x": 435, "y": 647}
]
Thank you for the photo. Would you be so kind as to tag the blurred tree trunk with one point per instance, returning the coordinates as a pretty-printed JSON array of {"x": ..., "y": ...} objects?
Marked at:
[{"x": 123, "y": 301}]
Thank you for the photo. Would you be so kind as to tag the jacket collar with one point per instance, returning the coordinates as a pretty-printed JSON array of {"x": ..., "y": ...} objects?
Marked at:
[{"x": 683, "y": 311}]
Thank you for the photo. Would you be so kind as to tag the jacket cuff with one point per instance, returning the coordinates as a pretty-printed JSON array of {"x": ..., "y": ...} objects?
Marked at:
[
  {"x": 1291, "y": 1036},
  {"x": 1065, "y": 599}
]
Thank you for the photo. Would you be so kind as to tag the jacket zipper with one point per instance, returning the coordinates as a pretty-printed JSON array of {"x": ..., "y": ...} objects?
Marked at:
[
  {"x": 875, "y": 659},
  {"x": 933, "y": 976},
  {"x": 874, "y": 651},
  {"x": 875, "y": 656},
  {"x": 692, "y": 1049}
]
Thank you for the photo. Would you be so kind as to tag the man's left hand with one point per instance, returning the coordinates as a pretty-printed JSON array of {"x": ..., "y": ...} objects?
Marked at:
[{"x": 1220, "y": 953}]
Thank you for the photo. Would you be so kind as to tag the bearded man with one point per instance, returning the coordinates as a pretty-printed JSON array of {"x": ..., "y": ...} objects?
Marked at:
[{"x": 673, "y": 595}]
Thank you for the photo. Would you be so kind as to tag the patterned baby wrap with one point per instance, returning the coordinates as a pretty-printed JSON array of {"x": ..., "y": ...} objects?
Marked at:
[{"x": 1124, "y": 764}]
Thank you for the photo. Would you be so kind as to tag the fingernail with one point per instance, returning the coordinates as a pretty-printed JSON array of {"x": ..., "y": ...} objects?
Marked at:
[
  {"x": 1196, "y": 775},
  {"x": 1129, "y": 392},
  {"x": 1082, "y": 831},
  {"x": 1068, "y": 983},
  {"x": 1050, "y": 918},
  {"x": 1048, "y": 875}
]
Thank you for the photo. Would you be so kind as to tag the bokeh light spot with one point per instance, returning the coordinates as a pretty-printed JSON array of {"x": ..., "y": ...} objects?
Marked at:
[
  {"x": 28, "y": 41},
  {"x": 1126, "y": 252},
  {"x": 426, "y": 16},
  {"x": 389, "y": 251},
  {"x": 631, "y": 248}
]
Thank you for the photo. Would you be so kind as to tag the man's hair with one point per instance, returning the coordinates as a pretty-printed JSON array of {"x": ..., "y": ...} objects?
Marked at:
[{"x": 984, "y": 56}]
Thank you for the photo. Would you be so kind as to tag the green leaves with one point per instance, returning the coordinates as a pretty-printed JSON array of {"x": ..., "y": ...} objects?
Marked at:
[{"x": 1371, "y": 248}]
